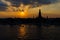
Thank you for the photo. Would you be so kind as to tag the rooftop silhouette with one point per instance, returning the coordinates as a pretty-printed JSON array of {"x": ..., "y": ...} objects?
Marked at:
[{"x": 37, "y": 20}]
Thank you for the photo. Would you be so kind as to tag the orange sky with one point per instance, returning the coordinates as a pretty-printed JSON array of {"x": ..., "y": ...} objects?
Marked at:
[{"x": 51, "y": 10}]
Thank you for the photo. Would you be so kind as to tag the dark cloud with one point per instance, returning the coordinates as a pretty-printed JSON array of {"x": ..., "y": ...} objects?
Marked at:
[
  {"x": 2, "y": 6},
  {"x": 42, "y": 2},
  {"x": 17, "y": 2}
]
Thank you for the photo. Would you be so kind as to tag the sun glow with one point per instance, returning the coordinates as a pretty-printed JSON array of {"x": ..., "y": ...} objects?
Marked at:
[{"x": 22, "y": 14}]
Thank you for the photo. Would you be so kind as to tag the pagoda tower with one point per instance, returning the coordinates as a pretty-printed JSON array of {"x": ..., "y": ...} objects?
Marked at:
[{"x": 39, "y": 16}]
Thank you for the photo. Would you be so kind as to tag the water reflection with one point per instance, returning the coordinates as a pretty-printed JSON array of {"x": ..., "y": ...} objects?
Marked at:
[
  {"x": 29, "y": 31},
  {"x": 22, "y": 31},
  {"x": 26, "y": 31}
]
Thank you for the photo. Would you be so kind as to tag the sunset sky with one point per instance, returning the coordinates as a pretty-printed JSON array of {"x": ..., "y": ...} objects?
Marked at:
[{"x": 29, "y": 8}]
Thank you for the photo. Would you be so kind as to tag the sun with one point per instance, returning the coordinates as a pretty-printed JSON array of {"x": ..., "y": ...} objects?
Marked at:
[{"x": 22, "y": 14}]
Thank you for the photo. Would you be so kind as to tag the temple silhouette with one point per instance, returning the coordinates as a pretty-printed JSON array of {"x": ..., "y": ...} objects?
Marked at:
[{"x": 37, "y": 20}]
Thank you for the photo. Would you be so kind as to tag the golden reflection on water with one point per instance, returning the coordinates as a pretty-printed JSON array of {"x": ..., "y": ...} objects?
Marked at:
[
  {"x": 22, "y": 31},
  {"x": 27, "y": 31}
]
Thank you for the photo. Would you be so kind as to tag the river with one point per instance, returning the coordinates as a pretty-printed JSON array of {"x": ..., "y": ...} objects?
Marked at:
[{"x": 29, "y": 32}]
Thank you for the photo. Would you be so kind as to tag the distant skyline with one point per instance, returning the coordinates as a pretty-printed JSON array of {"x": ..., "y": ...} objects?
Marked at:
[{"x": 11, "y": 8}]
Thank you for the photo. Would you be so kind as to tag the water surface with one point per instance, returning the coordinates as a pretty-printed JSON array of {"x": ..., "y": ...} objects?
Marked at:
[{"x": 29, "y": 32}]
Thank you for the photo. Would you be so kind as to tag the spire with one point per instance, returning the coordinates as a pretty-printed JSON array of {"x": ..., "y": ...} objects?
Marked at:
[{"x": 39, "y": 13}]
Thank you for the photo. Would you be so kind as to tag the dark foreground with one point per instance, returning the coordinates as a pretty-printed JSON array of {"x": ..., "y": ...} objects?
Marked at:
[{"x": 29, "y": 32}]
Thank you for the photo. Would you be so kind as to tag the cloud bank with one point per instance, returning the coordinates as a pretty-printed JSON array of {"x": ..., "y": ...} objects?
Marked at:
[
  {"x": 13, "y": 4},
  {"x": 48, "y": 7},
  {"x": 34, "y": 3}
]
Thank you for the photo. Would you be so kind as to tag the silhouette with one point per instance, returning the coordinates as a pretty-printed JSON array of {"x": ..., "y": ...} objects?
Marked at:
[{"x": 38, "y": 20}]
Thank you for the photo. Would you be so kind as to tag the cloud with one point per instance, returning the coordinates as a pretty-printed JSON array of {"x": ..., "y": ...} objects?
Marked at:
[
  {"x": 26, "y": 2},
  {"x": 2, "y": 6},
  {"x": 6, "y": 2},
  {"x": 17, "y": 2},
  {"x": 52, "y": 7},
  {"x": 51, "y": 10},
  {"x": 34, "y": 3}
]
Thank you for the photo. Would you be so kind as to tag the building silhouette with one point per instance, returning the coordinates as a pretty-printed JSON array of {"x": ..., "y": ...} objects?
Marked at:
[
  {"x": 38, "y": 20},
  {"x": 39, "y": 16}
]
